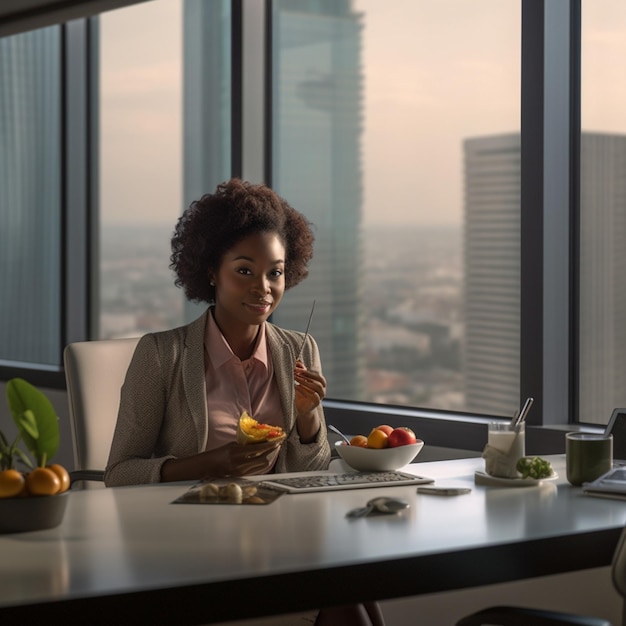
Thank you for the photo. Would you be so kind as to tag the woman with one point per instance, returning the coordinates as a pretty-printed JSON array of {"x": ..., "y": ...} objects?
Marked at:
[{"x": 238, "y": 250}]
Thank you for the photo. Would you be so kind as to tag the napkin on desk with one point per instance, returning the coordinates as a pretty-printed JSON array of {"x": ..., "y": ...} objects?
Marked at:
[{"x": 500, "y": 464}]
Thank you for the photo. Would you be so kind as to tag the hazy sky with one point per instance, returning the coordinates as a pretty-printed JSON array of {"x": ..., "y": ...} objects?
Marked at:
[
  {"x": 435, "y": 72},
  {"x": 141, "y": 98}
]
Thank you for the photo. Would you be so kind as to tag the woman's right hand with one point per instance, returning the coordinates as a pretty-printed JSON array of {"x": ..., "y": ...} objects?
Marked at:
[
  {"x": 236, "y": 459},
  {"x": 232, "y": 459}
]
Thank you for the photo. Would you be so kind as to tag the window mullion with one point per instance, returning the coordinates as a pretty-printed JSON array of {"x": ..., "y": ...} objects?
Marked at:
[
  {"x": 253, "y": 69},
  {"x": 78, "y": 242}
]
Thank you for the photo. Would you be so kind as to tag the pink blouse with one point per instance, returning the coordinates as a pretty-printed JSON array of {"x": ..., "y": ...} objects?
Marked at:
[{"x": 233, "y": 385}]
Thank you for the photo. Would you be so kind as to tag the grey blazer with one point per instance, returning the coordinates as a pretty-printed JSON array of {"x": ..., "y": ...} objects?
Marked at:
[{"x": 163, "y": 411}]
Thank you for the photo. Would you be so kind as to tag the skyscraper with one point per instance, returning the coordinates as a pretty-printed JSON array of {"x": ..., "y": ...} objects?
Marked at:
[
  {"x": 491, "y": 353},
  {"x": 30, "y": 196},
  {"x": 602, "y": 312},
  {"x": 206, "y": 103},
  {"x": 492, "y": 280},
  {"x": 317, "y": 106}
]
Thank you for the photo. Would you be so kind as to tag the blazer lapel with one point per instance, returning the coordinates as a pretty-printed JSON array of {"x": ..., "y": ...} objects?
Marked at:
[
  {"x": 193, "y": 376},
  {"x": 282, "y": 359}
]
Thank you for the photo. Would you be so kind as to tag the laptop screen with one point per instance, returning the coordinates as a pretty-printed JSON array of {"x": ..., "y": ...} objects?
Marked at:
[{"x": 617, "y": 428}]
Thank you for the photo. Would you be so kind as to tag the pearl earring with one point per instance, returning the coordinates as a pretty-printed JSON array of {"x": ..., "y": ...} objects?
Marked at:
[{"x": 212, "y": 284}]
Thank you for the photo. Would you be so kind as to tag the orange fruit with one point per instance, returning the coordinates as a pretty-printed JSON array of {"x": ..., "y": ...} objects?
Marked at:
[
  {"x": 42, "y": 482},
  {"x": 11, "y": 483},
  {"x": 385, "y": 428},
  {"x": 377, "y": 439},
  {"x": 62, "y": 474},
  {"x": 359, "y": 440}
]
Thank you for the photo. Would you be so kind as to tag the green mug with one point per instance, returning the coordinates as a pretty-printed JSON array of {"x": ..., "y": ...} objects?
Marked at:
[{"x": 588, "y": 456}]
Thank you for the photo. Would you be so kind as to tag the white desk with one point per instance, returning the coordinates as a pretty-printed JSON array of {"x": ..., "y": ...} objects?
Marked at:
[{"x": 129, "y": 551}]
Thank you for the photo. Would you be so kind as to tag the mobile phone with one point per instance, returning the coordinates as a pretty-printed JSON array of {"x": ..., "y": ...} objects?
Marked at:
[{"x": 442, "y": 491}]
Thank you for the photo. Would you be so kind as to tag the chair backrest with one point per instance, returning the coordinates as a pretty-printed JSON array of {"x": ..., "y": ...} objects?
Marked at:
[{"x": 94, "y": 373}]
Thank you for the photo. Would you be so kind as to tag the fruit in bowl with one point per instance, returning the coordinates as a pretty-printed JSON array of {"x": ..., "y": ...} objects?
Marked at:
[
  {"x": 401, "y": 436},
  {"x": 33, "y": 499},
  {"x": 384, "y": 449}
]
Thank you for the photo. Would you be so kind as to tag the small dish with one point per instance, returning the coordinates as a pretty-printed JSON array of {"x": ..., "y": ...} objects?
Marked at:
[
  {"x": 375, "y": 460},
  {"x": 214, "y": 491},
  {"x": 482, "y": 478}
]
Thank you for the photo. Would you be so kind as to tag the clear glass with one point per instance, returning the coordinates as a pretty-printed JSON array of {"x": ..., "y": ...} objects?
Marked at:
[
  {"x": 164, "y": 141},
  {"x": 396, "y": 131},
  {"x": 508, "y": 439},
  {"x": 602, "y": 303},
  {"x": 30, "y": 197},
  {"x": 506, "y": 445}
]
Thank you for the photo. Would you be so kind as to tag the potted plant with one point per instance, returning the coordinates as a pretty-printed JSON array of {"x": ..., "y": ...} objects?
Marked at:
[{"x": 29, "y": 497}]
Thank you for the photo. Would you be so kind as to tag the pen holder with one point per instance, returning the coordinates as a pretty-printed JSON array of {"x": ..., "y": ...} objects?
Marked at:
[{"x": 506, "y": 444}]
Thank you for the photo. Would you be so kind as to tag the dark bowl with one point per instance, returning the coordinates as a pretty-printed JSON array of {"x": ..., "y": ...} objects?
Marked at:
[{"x": 18, "y": 515}]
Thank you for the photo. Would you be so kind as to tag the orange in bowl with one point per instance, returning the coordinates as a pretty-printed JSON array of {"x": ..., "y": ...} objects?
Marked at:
[
  {"x": 359, "y": 440},
  {"x": 385, "y": 428},
  {"x": 378, "y": 439}
]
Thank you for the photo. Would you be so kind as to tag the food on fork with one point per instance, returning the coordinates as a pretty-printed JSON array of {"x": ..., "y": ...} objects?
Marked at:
[{"x": 251, "y": 431}]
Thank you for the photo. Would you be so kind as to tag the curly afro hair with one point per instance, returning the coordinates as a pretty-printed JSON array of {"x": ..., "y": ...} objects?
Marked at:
[{"x": 218, "y": 221}]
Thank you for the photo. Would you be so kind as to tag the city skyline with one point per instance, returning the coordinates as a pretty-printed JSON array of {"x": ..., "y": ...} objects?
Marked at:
[{"x": 412, "y": 334}]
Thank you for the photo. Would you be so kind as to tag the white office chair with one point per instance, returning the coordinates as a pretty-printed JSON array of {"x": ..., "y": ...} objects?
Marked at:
[
  {"x": 94, "y": 373},
  {"x": 519, "y": 616}
]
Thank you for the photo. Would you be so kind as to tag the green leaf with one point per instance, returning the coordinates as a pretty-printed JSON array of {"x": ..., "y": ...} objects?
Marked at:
[
  {"x": 27, "y": 403},
  {"x": 23, "y": 458},
  {"x": 27, "y": 423}
]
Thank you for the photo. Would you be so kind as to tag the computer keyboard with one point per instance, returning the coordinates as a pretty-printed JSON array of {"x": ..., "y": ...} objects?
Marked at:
[{"x": 346, "y": 480}]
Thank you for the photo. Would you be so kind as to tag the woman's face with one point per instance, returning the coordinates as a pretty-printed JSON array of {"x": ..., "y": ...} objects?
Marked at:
[{"x": 250, "y": 282}]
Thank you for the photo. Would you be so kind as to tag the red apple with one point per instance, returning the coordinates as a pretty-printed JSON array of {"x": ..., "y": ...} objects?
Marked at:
[{"x": 401, "y": 436}]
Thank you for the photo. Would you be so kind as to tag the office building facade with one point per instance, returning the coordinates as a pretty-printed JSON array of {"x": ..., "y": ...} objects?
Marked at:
[
  {"x": 491, "y": 360},
  {"x": 30, "y": 196},
  {"x": 317, "y": 106},
  {"x": 491, "y": 363}
]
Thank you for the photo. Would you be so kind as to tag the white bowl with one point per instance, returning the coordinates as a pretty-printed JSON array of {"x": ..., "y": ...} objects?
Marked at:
[{"x": 373, "y": 460}]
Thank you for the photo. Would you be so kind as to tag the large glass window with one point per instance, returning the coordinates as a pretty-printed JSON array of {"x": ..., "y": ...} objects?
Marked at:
[
  {"x": 164, "y": 111},
  {"x": 30, "y": 198},
  {"x": 395, "y": 129},
  {"x": 602, "y": 296}
]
